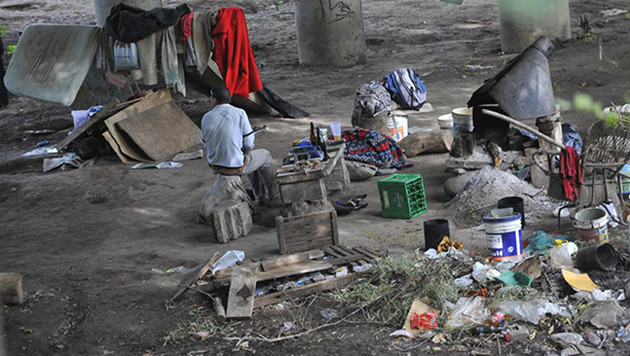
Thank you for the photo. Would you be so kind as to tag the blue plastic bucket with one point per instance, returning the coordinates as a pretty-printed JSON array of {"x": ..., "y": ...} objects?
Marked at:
[{"x": 504, "y": 236}]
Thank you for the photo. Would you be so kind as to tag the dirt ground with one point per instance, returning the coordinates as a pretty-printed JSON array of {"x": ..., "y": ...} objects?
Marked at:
[{"x": 86, "y": 240}]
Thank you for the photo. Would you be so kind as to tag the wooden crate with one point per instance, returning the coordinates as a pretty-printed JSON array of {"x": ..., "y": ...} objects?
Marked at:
[{"x": 307, "y": 232}]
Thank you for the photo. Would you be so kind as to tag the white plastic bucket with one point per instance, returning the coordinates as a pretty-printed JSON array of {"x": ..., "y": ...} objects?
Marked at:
[
  {"x": 504, "y": 236},
  {"x": 445, "y": 121},
  {"x": 592, "y": 224},
  {"x": 397, "y": 128},
  {"x": 462, "y": 119}
]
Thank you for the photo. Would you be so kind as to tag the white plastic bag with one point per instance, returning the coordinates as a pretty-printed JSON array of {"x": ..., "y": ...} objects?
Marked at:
[
  {"x": 531, "y": 310},
  {"x": 229, "y": 259},
  {"x": 468, "y": 311},
  {"x": 125, "y": 56}
]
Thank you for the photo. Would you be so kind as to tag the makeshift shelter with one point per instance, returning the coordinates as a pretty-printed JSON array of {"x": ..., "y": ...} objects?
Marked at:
[{"x": 159, "y": 47}]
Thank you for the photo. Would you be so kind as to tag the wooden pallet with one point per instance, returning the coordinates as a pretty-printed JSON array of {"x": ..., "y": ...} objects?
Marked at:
[
  {"x": 307, "y": 232},
  {"x": 355, "y": 256}
]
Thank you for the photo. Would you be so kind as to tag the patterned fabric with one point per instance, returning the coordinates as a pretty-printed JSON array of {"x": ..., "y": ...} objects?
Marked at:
[{"x": 372, "y": 148}]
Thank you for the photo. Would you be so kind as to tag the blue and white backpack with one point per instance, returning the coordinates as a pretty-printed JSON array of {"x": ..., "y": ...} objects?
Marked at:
[{"x": 406, "y": 88}]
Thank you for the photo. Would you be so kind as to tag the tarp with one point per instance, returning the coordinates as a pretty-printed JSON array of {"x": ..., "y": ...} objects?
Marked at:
[{"x": 51, "y": 61}]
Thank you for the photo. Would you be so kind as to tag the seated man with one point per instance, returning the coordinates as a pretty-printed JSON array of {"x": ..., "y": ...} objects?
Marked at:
[{"x": 229, "y": 142}]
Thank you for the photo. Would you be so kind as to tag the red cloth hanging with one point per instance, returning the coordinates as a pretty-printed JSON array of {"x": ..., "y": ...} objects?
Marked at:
[
  {"x": 233, "y": 53},
  {"x": 571, "y": 172},
  {"x": 186, "y": 23}
]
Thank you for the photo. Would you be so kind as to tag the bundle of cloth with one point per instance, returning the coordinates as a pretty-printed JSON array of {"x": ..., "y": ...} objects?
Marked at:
[
  {"x": 183, "y": 38},
  {"x": 373, "y": 148}
]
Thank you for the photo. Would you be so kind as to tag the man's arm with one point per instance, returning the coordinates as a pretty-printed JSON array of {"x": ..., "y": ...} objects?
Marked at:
[{"x": 246, "y": 128}]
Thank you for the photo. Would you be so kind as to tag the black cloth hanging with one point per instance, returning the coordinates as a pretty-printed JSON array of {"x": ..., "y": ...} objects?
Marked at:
[{"x": 130, "y": 24}]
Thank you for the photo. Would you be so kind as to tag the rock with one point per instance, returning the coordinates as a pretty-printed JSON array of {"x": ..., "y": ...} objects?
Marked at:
[
  {"x": 231, "y": 220},
  {"x": 360, "y": 171},
  {"x": 427, "y": 142},
  {"x": 226, "y": 208}
]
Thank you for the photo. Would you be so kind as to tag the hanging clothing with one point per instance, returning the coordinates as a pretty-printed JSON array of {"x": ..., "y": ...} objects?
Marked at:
[
  {"x": 147, "y": 55},
  {"x": 571, "y": 172},
  {"x": 131, "y": 24},
  {"x": 370, "y": 147},
  {"x": 172, "y": 69},
  {"x": 234, "y": 54},
  {"x": 202, "y": 39}
]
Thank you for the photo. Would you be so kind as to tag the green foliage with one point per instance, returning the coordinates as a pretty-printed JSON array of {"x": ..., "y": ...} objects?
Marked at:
[
  {"x": 11, "y": 48},
  {"x": 394, "y": 282},
  {"x": 3, "y": 30}
]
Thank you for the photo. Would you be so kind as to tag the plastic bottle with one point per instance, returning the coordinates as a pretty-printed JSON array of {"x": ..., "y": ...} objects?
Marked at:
[{"x": 561, "y": 255}]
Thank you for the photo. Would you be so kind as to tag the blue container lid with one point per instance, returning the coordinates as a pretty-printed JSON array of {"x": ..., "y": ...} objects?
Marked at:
[{"x": 513, "y": 217}]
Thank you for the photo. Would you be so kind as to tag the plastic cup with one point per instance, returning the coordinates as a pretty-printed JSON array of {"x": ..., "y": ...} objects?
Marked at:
[{"x": 336, "y": 130}]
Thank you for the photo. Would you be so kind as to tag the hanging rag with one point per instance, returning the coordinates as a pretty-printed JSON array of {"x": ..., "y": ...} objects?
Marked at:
[
  {"x": 172, "y": 69},
  {"x": 571, "y": 172},
  {"x": 186, "y": 26},
  {"x": 234, "y": 54},
  {"x": 371, "y": 147},
  {"x": 202, "y": 39},
  {"x": 131, "y": 24}
]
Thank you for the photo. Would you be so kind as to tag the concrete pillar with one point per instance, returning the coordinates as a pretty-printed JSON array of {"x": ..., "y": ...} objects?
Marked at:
[
  {"x": 330, "y": 32},
  {"x": 523, "y": 21},
  {"x": 103, "y": 7}
]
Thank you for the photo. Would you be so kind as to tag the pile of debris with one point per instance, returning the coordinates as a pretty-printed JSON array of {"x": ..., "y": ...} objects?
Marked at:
[
  {"x": 487, "y": 186},
  {"x": 543, "y": 302}
]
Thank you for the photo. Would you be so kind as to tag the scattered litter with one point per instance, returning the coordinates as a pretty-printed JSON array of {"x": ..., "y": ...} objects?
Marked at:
[
  {"x": 187, "y": 156},
  {"x": 201, "y": 335},
  {"x": 424, "y": 321},
  {"x": 328, "y": 313},
  {"x": 531, "y": 310},
  {"x": 613, "y": 12},
  {"x": 288, "y": 325},
  {"x": 561, "y": 255},
  {"x": 69, "y": 160},
  {"x": 42, "y": 151},
  {"x": 464, "y": 281},
  {"x": 158, "y": 271},
  {"x": 478, "y": 67},
  {"x": 161, "y": 165},
  {"x": 579, "y": 281},
  {"x": 565, "y": 212},
  {"x": 362, "y": 268},
  {"x": 468, "y": 311},
  {"x": 603, "y": 315},
  {"x": 177, "y": 269},
  {"x": 446, "y": 244},
  {"x": 43, "y": 143},
  {"x": 567, "y": 339},
  {"x": 432, "y": 253},
  {"x": 403, "y": 333},
  {"x": 229, "y": 259},
  {"x": 592, "y": 338}
]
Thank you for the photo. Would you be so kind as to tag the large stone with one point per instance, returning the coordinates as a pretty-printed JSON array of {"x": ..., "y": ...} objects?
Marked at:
[
  {"x": 227, "y": 209},
  {"x": 304, "y": 191},
  {"x": 339, "y": 179},
  {"x": 231, "y": 220}
]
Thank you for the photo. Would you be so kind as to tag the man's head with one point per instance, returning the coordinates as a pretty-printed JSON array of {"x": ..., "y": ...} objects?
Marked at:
[{"x": 221, "y": 95}]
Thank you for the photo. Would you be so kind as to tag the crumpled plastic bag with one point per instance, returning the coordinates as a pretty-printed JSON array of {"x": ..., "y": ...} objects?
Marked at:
[
  {"x": 531, "y": 310},
  {"x": 481, "y": 273},
  {"x": 603, "y": 315},
  {"x": 229, "y": 259},
  {"x": 432, "y": 254},
  {"x": 567, "y": 339},
  {"x": 468, "y": 311}
]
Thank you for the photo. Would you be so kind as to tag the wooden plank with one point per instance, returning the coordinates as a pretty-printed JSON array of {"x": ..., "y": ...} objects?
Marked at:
[
  {"x": 306, "y": 241},
  {"x": 227, "y": 272},
  {"x": 280, "y": 231},
  {"x": 366, "y": 252},
  {"x": 344, "y": 260},
  {"x": 335, "y": 229},
  {"x": 331, "y": 252},
  {"x": 241, "y": 296},
  {"x": 105, "y": 112},
  {"x": 309, "y": 230},
  {"x": 309, "y": 245},
  {"x": 277, "y": 297},
  {"x": 291, "y": 259},
  {"x": 340, "y": 251},
  {"x": 312, "y": 266},
  {"x": 198, "y": 274},
  {"x": 314, "y": 235},
  {"x": 348, "y": 250}
]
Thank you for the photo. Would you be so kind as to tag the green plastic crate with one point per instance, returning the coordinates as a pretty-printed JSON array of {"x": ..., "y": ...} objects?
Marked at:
[{"x": 402, "y": 196}]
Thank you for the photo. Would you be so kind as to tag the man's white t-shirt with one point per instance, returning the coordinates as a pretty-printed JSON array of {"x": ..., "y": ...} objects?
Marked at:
[{"x": 222, "y": 131}]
